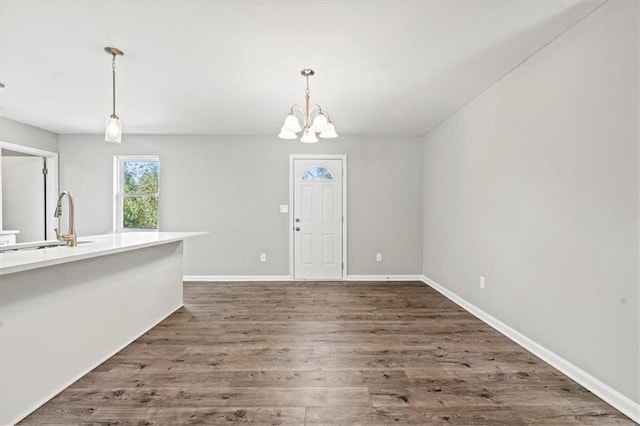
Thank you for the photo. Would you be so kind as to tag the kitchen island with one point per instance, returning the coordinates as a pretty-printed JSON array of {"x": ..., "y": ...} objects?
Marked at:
[{"x": 65, "y": 310}]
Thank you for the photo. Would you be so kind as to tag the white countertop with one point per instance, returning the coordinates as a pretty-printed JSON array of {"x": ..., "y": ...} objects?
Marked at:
[{"x": 88, "y": 247}]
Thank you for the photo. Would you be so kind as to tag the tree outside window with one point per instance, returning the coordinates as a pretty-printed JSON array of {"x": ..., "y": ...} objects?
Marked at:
[{"x": 138, "y": 192}]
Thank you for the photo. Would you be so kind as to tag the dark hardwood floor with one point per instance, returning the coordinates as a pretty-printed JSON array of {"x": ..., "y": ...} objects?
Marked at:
[{"x": 327, "y": 353}]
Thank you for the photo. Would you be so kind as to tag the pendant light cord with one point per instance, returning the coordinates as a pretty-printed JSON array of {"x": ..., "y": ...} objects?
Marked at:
[{"x": 113, "y": 72}]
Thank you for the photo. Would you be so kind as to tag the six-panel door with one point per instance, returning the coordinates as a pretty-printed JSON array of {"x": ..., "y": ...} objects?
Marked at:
[{"x": 317, "y": 200}]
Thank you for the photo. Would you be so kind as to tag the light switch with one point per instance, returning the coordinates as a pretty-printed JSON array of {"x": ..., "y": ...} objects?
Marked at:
[{"x": 284, "y": 208}]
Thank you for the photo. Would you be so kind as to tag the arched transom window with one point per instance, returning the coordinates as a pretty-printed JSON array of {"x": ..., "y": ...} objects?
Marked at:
[{"x": 317, "y": 173}]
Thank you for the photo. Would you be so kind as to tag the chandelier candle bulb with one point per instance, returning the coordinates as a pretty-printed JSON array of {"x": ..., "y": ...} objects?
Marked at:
[{"x": 308, "y": 119}]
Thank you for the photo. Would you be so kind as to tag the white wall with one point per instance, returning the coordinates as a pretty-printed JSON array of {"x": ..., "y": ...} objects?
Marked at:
[
  {"x": 534, "y": 185},
  {"x": 233, "y": 186},
  {"x": 638, "y": 121},
  {"x": 23, "y": 134}
]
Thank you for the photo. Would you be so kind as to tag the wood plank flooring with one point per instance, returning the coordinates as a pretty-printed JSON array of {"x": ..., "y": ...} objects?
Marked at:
[{"x": 327, "y": 353}]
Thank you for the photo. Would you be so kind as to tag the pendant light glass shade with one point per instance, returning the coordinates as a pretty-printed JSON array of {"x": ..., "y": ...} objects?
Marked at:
[
  {"x": 113, "y": 132},
  {"x": 309, "y": 137},
  {"x": 330, "y": 133}
]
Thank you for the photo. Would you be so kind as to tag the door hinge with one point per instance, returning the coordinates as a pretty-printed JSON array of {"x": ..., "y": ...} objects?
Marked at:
[
  {"x": 45, "y": 171},
  {"x": 343, "y": 266}
]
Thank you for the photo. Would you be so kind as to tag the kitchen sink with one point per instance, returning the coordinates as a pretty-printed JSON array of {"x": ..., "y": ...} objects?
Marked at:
[{"x": 36, "y": 245}]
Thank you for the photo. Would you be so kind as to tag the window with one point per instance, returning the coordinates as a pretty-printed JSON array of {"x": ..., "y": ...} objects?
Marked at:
[
  {"x": 137, "y": 187},
  {"x": 317, "y": 173}
]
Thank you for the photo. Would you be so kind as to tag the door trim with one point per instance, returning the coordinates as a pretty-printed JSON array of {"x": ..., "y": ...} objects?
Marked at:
[
  {"x": 342, "y": 157},
  {"x": 51, "y": 178}
]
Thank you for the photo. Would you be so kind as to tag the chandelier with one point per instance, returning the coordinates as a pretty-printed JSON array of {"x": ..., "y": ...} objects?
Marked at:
[{"x": 314, "y": 119}]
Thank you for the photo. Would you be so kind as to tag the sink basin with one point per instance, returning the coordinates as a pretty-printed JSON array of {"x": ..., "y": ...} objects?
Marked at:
[
  {"x": 32, "y": 245},
  {"x": 35, "y": 245}
]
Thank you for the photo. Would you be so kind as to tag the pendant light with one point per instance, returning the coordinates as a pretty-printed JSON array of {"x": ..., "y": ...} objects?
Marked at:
[
  {"x": 314, "y": 119},
  {"x": 113, "y": 130}
]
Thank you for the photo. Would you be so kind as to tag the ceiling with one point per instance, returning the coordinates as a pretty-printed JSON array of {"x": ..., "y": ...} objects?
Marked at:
[{"x": 233, "y": 67}]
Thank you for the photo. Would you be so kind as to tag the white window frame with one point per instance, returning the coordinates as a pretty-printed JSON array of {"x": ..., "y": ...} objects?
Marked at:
[{"x": 118, "y": 183}]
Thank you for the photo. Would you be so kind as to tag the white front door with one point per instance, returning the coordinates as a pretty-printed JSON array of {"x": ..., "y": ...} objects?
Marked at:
[{"x": 318, "y": 221}]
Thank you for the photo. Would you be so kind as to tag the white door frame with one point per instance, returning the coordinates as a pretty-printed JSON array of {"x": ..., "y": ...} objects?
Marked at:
[
  {"x": 293, "y": 157},
  {"x": 51, "y": 194}
]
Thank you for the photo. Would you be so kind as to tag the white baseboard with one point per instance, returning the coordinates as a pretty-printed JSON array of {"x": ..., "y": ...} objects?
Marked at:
[
  {"x": 602, "y": 390},
  {"x": 236, "y": 278},
  {"x": 271, "y": 278},
  {"x": 383, "y": 278}
]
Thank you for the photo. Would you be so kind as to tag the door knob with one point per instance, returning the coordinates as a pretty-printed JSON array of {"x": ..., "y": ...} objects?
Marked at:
[{"x": 297, "y": 228}]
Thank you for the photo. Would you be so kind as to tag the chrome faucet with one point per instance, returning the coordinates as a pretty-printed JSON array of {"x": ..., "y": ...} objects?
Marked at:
[{"x": 70, "y": 236}]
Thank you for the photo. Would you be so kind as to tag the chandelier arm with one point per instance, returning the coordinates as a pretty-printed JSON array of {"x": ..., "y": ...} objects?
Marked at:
[
  {"x": 315, "y": 110},
  {"x": 297, "y": 108}
]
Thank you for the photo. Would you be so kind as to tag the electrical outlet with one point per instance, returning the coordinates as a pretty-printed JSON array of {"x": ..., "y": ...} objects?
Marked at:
[
  {"x": 263, "y": 257},
  {"x": 378, "y": 257},
  {"x": 482, "y": 283}
]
